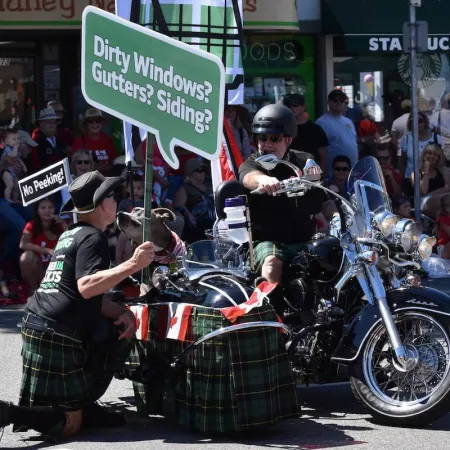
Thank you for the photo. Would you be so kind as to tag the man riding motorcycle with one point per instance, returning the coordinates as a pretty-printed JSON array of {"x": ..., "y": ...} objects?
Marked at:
[{"x": 281, "y": 224}]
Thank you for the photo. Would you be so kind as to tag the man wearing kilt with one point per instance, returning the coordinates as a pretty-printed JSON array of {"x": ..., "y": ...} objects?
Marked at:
[
  {"x": 280, "y": 225},
  {"x": 74, "y": 337}
]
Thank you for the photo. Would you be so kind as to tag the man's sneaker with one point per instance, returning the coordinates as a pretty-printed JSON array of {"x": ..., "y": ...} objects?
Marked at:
[
  {"x": 96, "y": 416},
  {"x": 5, "y": 415}
]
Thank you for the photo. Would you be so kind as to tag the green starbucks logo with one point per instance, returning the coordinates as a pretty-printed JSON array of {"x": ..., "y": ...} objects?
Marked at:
[{"x": 429, "y": 67}]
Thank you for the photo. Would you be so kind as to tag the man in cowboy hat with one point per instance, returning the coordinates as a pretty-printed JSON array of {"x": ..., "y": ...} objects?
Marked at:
[
  {"x": 50, "y": 149},
  {"x": 74, "y": 337}
]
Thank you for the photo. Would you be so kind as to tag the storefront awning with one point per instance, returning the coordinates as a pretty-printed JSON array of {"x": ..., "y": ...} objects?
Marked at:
[{"x": 378, "y": 17}]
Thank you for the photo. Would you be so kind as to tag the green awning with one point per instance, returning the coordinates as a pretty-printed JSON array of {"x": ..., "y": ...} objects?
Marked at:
[{"x": 381, "y": 16}]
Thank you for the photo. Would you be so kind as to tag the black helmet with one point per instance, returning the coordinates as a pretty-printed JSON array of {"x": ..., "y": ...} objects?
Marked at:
[{"x": 275, "y": 119}]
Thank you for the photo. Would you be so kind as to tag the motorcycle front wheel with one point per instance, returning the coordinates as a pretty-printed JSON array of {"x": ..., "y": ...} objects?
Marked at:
[{"x": 415, "y": 396}]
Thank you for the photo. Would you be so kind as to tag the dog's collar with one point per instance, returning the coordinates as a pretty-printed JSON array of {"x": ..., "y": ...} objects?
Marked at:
[{"x": 175, "y": 249}]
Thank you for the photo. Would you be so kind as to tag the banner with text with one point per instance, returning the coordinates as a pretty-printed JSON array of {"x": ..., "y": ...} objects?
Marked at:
[
  {"x": 169, "y": 88},
  {"x": 45, "y": 182}
]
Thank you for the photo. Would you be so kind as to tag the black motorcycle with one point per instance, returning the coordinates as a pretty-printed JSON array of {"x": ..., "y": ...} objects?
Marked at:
[{"x": 351, "y": 298}]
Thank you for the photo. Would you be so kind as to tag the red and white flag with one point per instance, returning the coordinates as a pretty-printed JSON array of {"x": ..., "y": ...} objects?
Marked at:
[
  {"x": 256, "y": 299},
  {"x": 178, "y": 320},
  {"x": 141, "y": 314}
]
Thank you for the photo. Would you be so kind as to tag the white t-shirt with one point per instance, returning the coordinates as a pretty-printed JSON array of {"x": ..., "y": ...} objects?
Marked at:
[
  {"x": 406, "y": 146},
  {"x": 441, "y": 120},
  {"x": 400, "y": 125}
]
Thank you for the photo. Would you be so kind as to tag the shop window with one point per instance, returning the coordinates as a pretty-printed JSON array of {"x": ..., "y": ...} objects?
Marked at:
[
  {"x": 17, "y": 92},
  {"x": 275, "y": 65},
  {"x": 377, "y": 84}
]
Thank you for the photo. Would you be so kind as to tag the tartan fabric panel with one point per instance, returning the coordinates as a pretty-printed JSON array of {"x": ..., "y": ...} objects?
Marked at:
[
  {"x": 230, "y": 383},
  {"x": 58, "y": 371},
  {"x": 53, "y": 371},
  {"x": 282, "y": 251}
]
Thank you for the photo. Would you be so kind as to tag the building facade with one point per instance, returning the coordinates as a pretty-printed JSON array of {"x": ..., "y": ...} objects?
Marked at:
[
  {"x": 363, "y": 54},
  {"x": 40, "y": 54}
]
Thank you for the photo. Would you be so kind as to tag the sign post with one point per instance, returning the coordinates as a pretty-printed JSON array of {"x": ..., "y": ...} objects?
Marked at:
[{"x": 415, "y": 111}]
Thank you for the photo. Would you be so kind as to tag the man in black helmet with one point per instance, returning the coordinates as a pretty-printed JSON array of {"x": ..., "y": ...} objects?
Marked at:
[{"x": 280, "y": 224}]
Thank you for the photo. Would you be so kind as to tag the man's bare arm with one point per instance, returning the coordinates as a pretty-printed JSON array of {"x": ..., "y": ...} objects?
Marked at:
[{"x": 257, "y": 179}]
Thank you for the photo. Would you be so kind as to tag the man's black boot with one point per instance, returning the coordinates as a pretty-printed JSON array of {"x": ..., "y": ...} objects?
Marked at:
[
  {"x": 96, "y": 416},
  {"x": 5, "y": 414}
]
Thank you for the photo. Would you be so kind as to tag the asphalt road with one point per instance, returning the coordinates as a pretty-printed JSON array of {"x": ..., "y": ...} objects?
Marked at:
[{"x": 331, "y": 418}]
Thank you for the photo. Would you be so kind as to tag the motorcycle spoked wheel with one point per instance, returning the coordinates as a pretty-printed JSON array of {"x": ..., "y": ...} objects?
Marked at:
[{"x": 415, "y": 397}]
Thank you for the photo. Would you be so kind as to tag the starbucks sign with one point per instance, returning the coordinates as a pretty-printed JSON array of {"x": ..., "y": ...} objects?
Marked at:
[
  {"x": 395, "y": 44},
  {"x": 429, "y": 67}
]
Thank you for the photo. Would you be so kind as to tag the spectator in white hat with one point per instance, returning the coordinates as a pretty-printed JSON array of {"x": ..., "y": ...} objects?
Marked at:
[{"x": 50, "y": 149}]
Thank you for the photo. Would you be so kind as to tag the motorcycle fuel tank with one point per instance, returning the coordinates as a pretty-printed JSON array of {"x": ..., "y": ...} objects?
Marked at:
[{"x": 321, "y": 258}]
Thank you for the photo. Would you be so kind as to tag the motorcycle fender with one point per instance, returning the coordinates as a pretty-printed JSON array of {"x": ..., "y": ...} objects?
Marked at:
[{"x": 421, "y": 299}]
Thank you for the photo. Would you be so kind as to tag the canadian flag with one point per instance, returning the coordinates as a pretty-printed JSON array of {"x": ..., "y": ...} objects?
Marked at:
[
  {"x": 178, "y": 320},
  {"x": 256, "y": 299},
  {"x": 141, "y": 314}
]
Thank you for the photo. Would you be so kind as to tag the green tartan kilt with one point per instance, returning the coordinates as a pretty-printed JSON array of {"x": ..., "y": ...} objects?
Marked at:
[
  {"x": 233, "y": 382},
  {"x": 58, "y": 371}
]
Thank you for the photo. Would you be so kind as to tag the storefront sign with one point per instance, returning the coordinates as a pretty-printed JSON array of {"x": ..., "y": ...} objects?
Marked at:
[
  {"x": 45, "y": 182},
  {"x": 258, "y": 14},
  {"x": 159, "y": 84},
  {"x": 395, "y": 43}
]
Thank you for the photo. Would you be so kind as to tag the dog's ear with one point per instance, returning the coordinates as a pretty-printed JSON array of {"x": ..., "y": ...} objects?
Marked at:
[{"x": 166, "y": 215}]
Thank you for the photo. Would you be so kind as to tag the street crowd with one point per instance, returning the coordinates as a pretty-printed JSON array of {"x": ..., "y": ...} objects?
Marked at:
[{"x": 337, "y": 139}]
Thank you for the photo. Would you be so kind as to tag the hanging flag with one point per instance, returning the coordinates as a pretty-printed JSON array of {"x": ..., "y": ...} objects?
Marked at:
[
  {"x": 257, "y": 298},
  {"x": 141, "y": 314},
  {"x": 178, "y": 320}
]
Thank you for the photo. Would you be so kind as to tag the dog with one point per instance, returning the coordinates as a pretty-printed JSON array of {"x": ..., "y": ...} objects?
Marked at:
[{"x": 167, "y": 244}]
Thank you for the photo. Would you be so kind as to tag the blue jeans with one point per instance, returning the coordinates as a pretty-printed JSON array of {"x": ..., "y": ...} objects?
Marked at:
[{"x": 13, "y": 218}]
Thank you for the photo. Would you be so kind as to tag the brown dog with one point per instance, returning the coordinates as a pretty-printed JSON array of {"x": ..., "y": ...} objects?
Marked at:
[{"x": 132, "y": 225}]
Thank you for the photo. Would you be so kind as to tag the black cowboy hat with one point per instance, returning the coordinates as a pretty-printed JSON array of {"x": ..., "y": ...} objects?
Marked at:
[{"x": 88, "y": 190}]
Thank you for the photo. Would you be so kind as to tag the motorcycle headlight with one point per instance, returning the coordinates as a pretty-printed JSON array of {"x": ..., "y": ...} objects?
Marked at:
[
  {"x": 426, "y": 244},
  {"x": 386, "y": 222},
  {"x": 408, "y": 233}
]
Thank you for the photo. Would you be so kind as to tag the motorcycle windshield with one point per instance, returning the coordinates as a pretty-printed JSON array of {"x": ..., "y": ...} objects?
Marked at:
[
  {"x": 367, "y": 189},
  {"x": 211, "y": 254}
]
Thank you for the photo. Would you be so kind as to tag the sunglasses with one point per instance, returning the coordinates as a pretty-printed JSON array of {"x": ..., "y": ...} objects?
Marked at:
[
  {"x": 338, "y": 100},
  {"x": 275, "y": 138},
  {"x": 83, "y": 161},
  {"x": 200, "y": 170},
  {"x": 295, "y": 104},
  {"x": 115, "y": 196},
  {"x": 383, "y": 158},
  {"x": 341, "y": 169},
  {"x": 95, "y": 121}
]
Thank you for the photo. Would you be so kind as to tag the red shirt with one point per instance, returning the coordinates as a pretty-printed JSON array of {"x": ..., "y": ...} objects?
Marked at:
[
  {"x": 42, "y": 240},
  {"x": 444, "y": 238},
  {"x": 103, "y": 149}
]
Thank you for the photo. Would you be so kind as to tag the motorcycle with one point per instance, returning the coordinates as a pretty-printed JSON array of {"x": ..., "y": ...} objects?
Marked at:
[{"x": 353, "y": 298}]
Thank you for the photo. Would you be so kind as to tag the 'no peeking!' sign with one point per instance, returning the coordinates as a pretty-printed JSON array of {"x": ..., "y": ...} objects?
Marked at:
[{"x": 173, "y": 90}]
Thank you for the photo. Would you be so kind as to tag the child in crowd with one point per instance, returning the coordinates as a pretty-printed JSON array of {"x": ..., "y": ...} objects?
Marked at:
[
  {"x": 12, "y": 166},
  {"x": 126, "y": 205},
  {"x": 39, "y": 239},
  {"x": 402, "y": 206},
  {"x": 443, "y": 227}
]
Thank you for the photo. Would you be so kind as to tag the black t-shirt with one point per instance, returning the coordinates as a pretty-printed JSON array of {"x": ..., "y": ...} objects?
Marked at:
[
  {"x": 310, "y": 137},
  {"x": 82, "y": 250},
  {"x": 280, "y": 218}
]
